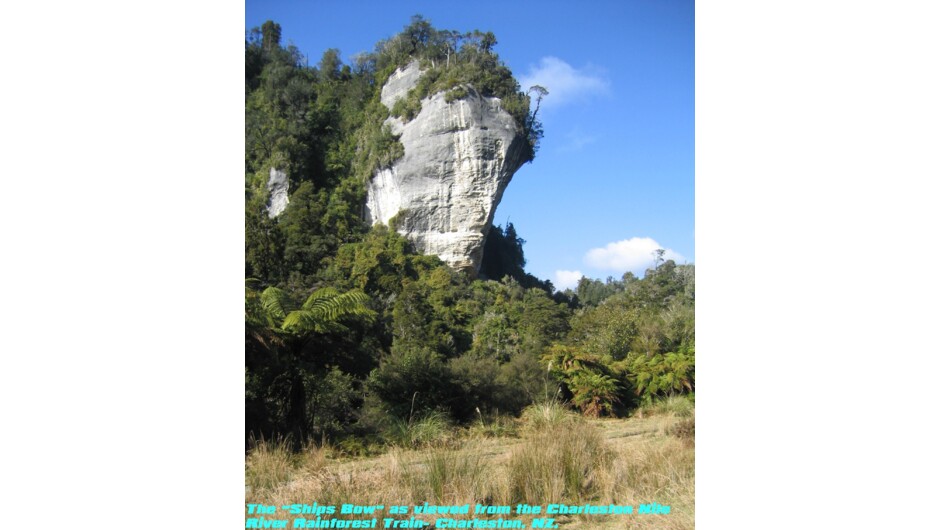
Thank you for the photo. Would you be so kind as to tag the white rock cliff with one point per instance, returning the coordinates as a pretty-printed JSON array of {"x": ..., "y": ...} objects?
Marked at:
[
  {"x": 459, "y": 157},
  {"x": 277, "y": 191}
]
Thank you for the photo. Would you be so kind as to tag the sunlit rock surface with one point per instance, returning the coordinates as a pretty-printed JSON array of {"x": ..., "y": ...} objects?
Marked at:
[
  {"x": 277, "y": 192},
  {"x": 459, "y": 157}
]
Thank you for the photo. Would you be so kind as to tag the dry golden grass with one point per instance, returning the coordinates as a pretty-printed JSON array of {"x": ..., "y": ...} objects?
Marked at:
[
  {"x": 557, "y": 464},
  {"x": 268, "y": 466},
  {"x": 563, "y": 459}
]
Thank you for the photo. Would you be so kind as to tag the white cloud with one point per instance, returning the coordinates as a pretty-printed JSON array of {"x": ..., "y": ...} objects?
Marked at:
[
  {"x": 567, "y": 279},
  {"x": 564, "y": 82},
  {"x": 634, "y": 254}
]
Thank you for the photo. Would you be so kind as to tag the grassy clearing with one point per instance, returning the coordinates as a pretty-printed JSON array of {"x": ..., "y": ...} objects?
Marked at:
[{"x": 551, "y": 456}]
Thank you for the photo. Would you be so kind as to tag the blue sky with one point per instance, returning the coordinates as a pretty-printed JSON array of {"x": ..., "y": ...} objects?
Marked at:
[{"x": 614, "y": 178}]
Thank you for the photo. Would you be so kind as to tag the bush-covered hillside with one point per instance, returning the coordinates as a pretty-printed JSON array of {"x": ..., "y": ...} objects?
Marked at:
[{"x": 351, "y": 334}]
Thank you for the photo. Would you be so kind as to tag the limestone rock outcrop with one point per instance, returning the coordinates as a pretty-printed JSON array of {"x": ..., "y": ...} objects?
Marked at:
[
  {"x": 459, "y": 158},
  {"x": 277, "y": 192}
]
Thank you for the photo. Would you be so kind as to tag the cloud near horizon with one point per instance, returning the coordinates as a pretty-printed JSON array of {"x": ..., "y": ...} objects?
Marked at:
[
  {"x": 567, "y": 279},
  {"x": 634, "y": 254},
  {"x": 564, "y": 82}
]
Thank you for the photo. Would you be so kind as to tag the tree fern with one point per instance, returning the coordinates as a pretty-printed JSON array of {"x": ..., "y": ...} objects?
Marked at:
[
  {"x": 322, "y": 309},
  {"x": 275, "y": 303},
  {"x": 593, "y": 392},
  {"x": 664, "y": 374}
]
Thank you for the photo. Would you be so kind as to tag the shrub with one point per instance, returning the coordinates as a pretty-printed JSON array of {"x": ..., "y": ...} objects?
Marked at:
[
  {"x": 412, "y": 383},
  {"x": 406, "y": 108},
  {"x": 455, "y": 94}
]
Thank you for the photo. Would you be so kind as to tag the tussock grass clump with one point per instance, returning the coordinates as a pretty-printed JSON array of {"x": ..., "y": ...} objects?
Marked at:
[
  {"x": 560, "y": 463},
  {"x": 313, "y": 457},
  {"x": 457, "y": 476},
  {"x": 339, "y": 486},
  {"x": 660, "y": 469},
  {"x": 273, "y": 464},
  {"x": 355, "y": 447},
  {"x": 548, "y": 414},
  {"x": 444, "y": 476},
  {"x": 684, "y": 430},
  {"x": 432, "y": 429},
  {"x": 268, "y": 465},
  {"x": 494, "y": 427},
  {"x": 678, "y": 406}
]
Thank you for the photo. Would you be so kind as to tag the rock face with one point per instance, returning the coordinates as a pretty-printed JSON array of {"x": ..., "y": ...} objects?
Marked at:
[
  {"x": 459, "y": 157},
  {"x": 277, "y": 192},
  {"x": 400, "y": 83}
]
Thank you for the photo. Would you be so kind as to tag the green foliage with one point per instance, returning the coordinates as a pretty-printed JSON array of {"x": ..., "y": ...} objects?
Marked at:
[
  {"x": 290, "y": 386},
  {"x": 416, "y": 324},
  {"x": 376, "y": 146},
  {"x": 503, "y": 256},
  {"x": 264, "y": 244},
  {"x": 477, "y": 380},
  {"x": 593, "y": 292},
  {"x": 456, "y": 93},
  {"x": 271, "y": 39},
  {"x": 412, "y": 383},
  {"x": 638, "y": 341},
  {"x": 594, "y": 393},
  {"x": 662, "y": 374},
  {"x": 493, "y": 425},
  {"x": 331, "y": 401},
  {"x": 682, "y": 406},
  {"x": 323, "y": 309},
  {"x": 594, "y": 386},
  {"x": 378, "y": 264},
  {"x": 397, "y": 221},
  {"x": 406, "y": 108}
]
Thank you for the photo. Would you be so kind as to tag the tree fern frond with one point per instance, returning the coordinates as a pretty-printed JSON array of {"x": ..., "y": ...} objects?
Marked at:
[
  {"x": 326, "y": 306},
  {"x": 275, "y": 303},
  {"x": 321, "y": 294}
]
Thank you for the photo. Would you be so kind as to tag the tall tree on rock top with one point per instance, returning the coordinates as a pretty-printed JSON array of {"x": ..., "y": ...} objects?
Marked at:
[{"x": 270, "y": 36}]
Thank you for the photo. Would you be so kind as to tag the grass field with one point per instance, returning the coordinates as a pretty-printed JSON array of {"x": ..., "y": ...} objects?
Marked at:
[{"x": 548, "y": 456}]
